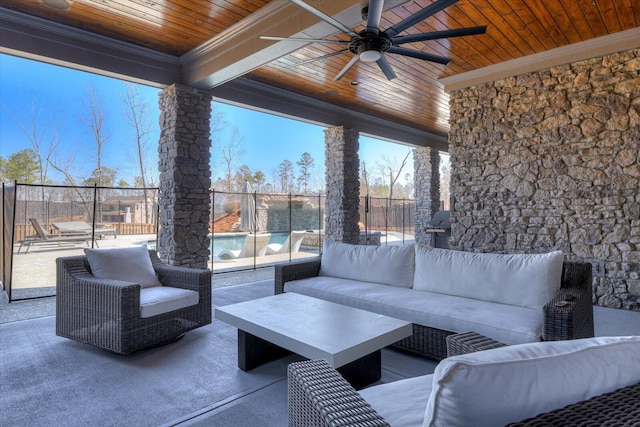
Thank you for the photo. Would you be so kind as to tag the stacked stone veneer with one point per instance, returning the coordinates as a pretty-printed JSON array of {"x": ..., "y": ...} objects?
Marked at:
[
  {"x": 185, "y": 176},
  {"x": 549, "y": 160},
  {"x": 342, "y": 165},
  {"x": 426, "y": 164}
]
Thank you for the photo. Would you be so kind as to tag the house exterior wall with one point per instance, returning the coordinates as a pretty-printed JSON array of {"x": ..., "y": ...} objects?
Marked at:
[{"x": 550, "y": 160}]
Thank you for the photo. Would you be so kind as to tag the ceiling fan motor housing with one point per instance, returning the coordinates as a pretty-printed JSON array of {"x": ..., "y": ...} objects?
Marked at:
[{"x": 367, "y": 42}]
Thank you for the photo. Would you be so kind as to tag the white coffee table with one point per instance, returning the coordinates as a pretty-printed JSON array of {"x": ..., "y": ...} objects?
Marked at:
[{"x": 348, "y": 338}]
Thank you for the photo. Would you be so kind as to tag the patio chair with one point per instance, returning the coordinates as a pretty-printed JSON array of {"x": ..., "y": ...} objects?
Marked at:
[
  {"x": 254, "y": 245},
  {"x": 155, "y": 307},
  {"x": 82, "y": 227},
  {"x": 292, "y": 243},
  {"x": 42, "y": 237}
]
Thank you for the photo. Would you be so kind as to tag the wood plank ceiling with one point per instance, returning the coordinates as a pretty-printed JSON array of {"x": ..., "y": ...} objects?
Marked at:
[{"x": 516, "y": 28}]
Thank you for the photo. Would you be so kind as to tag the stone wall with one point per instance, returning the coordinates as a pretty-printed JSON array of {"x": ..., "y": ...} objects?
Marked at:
[
  {"x": 549, "y": 160},
  {"x": 342, "y": 166},
  {"x": 185, "y": 176},
  {"x": 300, "y": 219},
  {"x": 426, "y": 177}
]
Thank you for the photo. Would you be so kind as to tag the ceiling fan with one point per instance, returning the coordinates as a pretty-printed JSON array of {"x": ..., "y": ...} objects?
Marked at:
[{"x": 371, "y": 44}]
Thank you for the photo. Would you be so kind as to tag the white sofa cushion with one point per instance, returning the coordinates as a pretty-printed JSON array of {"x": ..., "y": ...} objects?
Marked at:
[
  {"x": 510, "y": 384},
  {"x": 526, "y": 280},
  {"x": 400, "y": 403},
  {"x": 127, "y": 264},
  {"x": 451, "y": 313},
  {"x": 163, "y": 299},
  {"x": 391, "y": 264}
]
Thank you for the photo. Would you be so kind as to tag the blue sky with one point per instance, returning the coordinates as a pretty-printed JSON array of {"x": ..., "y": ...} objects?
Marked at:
[{"x": 62, "y": 94}]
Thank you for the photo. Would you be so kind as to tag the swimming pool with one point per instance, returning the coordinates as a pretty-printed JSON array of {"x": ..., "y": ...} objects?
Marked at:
[{"x": 220, "y": 242}]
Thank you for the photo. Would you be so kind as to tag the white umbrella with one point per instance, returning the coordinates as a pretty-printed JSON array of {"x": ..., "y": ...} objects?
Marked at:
[{"x": 247, "y": 209}]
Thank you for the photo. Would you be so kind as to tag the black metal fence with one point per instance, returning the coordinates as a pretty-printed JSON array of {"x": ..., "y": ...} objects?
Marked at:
[{"x": 294, "y": 222}]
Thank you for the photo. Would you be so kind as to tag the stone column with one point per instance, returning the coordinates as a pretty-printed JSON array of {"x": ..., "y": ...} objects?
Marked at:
[
  {"x": 342, "y": 165},
  {"x": 426, "y": 165},
  {"x": 185, "y": 176}
]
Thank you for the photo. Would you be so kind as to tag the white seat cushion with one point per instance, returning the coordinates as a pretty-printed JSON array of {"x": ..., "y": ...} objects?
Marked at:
[
  {"x": 163, "y": 299},
  {"x": 401, "y": 403},
  {"x": 509, "y": 384},
  {"x": 506, "y": 323}
]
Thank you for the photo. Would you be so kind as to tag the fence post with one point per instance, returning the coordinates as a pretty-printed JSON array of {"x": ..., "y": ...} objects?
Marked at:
[{"x": 95, "y": 207}]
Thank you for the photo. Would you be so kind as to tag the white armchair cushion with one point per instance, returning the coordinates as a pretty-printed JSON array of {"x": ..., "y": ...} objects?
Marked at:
[
  {"x": 390, "y": 265},
  {"x": 163, "y": 299},
  {"x": 127, "y": 264},
  {"x": 401, "y": 403},
  {"x": 525, "y": 280},
  {"x": 510, "y": 384}
]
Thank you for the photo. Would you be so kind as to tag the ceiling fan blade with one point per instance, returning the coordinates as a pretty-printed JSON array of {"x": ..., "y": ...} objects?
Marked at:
[
  {"x": 319, "y": 58},
  {"x": 374, "y": 13},
  {"x": 346, "y": 68},
  {"x": 386, "y": 68},
  {"x": 471, "y": 31},
  {"x": 418, "y": 16},
  {"x": 304, "y": 40},
  {"x": 326, "y": 18},
  {"x": 419, "y": 55}
]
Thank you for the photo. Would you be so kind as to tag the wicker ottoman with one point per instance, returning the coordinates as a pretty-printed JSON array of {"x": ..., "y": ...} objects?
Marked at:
[{"x": 469, "y": 342}]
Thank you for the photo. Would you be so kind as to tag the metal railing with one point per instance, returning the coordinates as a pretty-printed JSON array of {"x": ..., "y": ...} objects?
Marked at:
[
  {"x": 44, "y": 222},
  {"x": 295, "y": 223}
]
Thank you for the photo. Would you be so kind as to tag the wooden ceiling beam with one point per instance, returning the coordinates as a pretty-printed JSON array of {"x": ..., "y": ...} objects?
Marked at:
[{"x": 239, "y": 50}]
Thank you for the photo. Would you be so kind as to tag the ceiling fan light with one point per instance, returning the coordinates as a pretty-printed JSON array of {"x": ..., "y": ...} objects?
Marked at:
[
  {"x": 370, "y": 55},
  {"x": 58, "y": 4}
]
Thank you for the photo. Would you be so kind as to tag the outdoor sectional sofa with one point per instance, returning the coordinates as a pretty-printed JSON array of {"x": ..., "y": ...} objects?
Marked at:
[
  {"x": 513, "y": 299},
  {"x": 587, "y": 382}
]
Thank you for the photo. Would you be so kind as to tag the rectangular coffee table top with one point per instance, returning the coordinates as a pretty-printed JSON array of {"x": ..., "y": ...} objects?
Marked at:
[{"x": 314, "y": 328}]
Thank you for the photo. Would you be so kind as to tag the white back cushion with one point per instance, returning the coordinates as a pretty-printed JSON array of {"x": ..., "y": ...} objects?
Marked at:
[
  {"x": 525, "y": 280},
  {"x": 127, "y": 264},
  {"x": 510, "y": 384},
  {"x": 389, "y": 265}
]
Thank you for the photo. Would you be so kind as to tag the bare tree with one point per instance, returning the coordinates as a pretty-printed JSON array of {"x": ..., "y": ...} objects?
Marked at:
[
  {"x": 95, "y": 122},
  {"x": 217, "y": 124},
  {"x": 44, "y": 136},
  {"x": 391, "y": 170},
  {"x": 65, "y": 169},
  {"x": 231, "y": 153},
  {"x": 364, "y": 179},
  {"x": 138, "y": 117}
]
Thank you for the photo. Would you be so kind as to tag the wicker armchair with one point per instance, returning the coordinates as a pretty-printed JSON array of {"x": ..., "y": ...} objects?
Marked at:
[
  {"x": 319, "y": 396},
  {"x": 106, "y": 313},
  {"x": 572, "y": 320}
]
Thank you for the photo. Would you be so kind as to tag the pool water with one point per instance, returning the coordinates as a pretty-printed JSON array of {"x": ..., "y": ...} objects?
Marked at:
[{"x": 221, "y": 242}]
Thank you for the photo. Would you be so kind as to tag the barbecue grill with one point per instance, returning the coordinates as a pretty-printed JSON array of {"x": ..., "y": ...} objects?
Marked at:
[{"x": 440, "y": 228}]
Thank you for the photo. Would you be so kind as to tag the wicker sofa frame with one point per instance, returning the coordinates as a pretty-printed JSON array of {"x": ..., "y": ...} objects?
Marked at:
[
  {"x": 106, "y": 313},
  {"x": 319, "y": 396},
  {"x": 572, "y": 320}
]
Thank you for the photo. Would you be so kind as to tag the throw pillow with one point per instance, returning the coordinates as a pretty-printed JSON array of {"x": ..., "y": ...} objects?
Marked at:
[
  {"x": 389, "y": 265},
  {"x": 510, "y": 384},
  {"x": 127, "y": 264}
]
